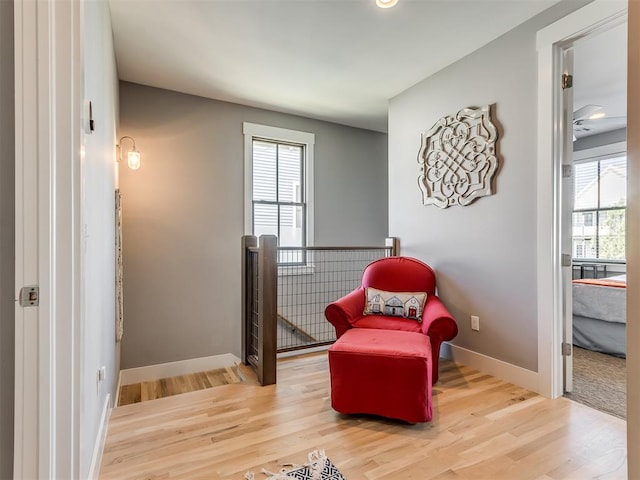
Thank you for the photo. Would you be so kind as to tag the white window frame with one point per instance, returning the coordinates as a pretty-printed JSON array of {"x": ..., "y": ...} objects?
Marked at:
[
  {"x": 602, "y": 152},
  {"x": 253, "y": 131}
]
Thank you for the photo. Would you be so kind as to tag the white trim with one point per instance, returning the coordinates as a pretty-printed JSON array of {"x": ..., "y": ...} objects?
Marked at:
[
  {"x": 549, "y": 334},
  {"x": 26, "y": 428},
  {"x": 596, "y": 15},
  {"x": 277, "y": 133},
  {"x": 582, "y": 22},
  {"x": 506, "y": 371},
  {"x": 173, "y": 369},
  {"x": 251, "y": 130},
  {"x": 116, "y": 401},
  {"x": 101, "y": 438},
  {"x": 47, "y": 394}
]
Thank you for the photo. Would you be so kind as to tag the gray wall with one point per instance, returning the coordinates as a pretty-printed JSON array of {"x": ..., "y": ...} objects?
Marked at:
[
  {"x": 183, "y": 215},
  {"x": 605, "y": 138},
  {"x": 98, "y": 204},
  {"x": 484, "y": 254},
  {"x": 7, "y": 250}
]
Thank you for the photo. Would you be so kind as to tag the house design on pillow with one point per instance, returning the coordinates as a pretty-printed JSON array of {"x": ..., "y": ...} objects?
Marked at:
[
  {"x": 395, "y": 304},
  {"x": 376, "y": 304},
  {"x": 394, "y": 307},
  {"x": 413, "y": 308}
]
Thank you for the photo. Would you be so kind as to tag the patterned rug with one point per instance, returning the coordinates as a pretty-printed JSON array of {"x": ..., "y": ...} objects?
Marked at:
[{"x": 319, "y": 467}]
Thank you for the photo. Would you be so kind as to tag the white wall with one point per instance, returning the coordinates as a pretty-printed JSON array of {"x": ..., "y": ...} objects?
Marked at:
[
  {"x": 483, "y": 254},
  {"x": 7, "y": 232},
  {"x": 183, "y": 215},
  {"x": 99, "y": 176}
]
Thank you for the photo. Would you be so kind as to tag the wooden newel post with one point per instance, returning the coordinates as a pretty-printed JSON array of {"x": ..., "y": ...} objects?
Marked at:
[
  {"x": 247, "y": 242},
  {"x": 268, "y": 308},
  {"x": 394, "y": 243}
]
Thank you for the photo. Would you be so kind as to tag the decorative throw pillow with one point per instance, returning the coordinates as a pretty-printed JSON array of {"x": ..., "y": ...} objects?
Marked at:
[{"x": 395, "y": 304}]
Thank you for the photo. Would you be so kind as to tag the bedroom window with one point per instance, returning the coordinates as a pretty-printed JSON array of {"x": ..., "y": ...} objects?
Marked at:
[
  {"x": 600, "y": 200},
  {"x": 278, "y": 200}
]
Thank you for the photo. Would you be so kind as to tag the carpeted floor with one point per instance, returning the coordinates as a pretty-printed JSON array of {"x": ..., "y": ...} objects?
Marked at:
[{"x": 600, "y": 381}]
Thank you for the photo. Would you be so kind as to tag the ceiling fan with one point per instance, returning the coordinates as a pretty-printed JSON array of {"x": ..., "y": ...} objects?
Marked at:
[{"x": 591, "y": 119}]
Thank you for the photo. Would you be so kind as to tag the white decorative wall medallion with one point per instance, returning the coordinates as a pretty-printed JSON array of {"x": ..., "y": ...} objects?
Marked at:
[{"x": 458, "y": 158}]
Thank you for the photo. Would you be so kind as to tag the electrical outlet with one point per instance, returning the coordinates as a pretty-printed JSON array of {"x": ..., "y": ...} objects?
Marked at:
[{"x": 475, "y": 323}]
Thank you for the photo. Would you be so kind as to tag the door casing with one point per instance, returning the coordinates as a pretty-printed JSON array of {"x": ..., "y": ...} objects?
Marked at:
[{"x": 551, "y": 41}]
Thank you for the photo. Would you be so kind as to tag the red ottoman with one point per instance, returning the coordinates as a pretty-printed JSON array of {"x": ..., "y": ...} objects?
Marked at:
[{"x": 382, "y": 372}]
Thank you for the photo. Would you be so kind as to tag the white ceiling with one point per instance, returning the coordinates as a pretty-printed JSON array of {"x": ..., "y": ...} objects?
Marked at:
[{"x": 334, "y": 60}]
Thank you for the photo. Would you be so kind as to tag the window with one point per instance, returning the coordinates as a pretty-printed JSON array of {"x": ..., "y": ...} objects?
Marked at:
[
  {"x": 278, "y": 186},
  {"x": 600, "y": 200},
  {"x": 278, "y": 208}
]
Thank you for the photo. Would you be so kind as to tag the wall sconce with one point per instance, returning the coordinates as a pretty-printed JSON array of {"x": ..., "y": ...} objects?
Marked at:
[{"x": 133, "y": 156}]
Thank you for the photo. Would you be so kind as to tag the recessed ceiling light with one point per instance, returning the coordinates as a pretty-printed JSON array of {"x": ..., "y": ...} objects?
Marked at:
[{"x": 386, "y": 3}]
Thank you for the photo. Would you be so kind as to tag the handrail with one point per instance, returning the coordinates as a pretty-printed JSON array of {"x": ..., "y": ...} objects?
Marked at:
[{"x": 286, "y": 312}]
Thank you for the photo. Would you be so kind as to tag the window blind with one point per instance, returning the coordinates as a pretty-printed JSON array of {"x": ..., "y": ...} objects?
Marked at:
[
  {"x": 599, "y": 212},
  {"x": 278, "y": 191}
]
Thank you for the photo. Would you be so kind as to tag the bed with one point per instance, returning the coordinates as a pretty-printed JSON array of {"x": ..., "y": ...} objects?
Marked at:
[{"x": 600, "y": 314}]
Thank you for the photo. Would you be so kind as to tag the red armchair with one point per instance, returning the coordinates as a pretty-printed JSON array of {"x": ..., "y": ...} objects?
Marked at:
[
  {"x": 397, "y": 274},
  {"x": 386, "y": 365}
]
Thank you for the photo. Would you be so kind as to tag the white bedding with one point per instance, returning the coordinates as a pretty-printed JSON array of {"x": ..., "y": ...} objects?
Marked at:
[{"x": 618, "y": 278}]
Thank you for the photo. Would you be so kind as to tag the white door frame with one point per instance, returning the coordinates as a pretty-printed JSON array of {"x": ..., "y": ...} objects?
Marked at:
[
  {"x": 566, "y": 217},
  {"x": 550, "y": 41},
  {"x": 48, "y": 154}
]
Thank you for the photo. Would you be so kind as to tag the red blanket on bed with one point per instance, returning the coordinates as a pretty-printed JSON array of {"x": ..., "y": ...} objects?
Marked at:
[{"x": 603, "y": 282}]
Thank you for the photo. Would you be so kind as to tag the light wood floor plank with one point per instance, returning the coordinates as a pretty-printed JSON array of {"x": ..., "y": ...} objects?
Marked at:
[
  {"x": 483, "y": 428},
  {"x": 166, "y": 387}
]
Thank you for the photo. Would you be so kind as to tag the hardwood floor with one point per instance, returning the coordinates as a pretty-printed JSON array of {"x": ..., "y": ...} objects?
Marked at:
[
  {"x": 166, "y": 387},
  {"x": 483, "y": 428}
]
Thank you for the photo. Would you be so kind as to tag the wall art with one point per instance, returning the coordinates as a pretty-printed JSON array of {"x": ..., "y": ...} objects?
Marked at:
[{"x": 458, "y": 158}]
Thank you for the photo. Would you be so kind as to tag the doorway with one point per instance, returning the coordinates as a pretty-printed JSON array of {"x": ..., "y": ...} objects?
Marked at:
[
  {"x": 593, "y": 213},
  {"x": 554, "y": 161}
]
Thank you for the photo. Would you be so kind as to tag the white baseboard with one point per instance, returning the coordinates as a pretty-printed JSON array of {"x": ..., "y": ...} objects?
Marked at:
[
  {"x": 116, "y": 402},
  {"x": 505, "y": 371},
  {"x": 173, "y": 369},
  {"x": 96, "y": 458}
]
